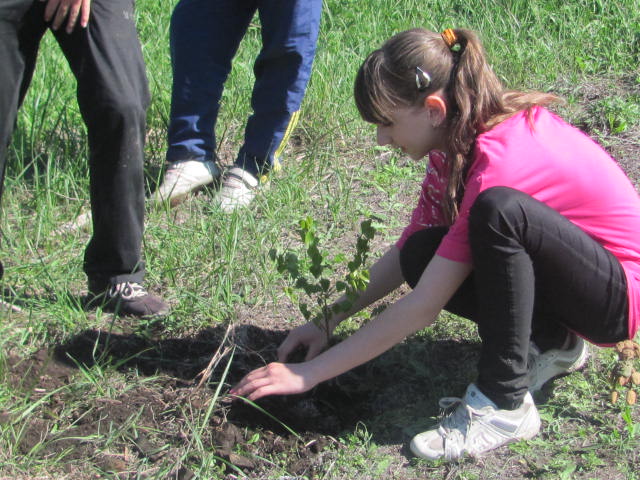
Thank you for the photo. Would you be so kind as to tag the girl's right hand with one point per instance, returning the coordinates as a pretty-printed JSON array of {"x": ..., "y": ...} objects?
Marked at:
[
  {"x": 275, "y": 379},
  {"x": 71, "y": 11},
  {"x": 307, "y": 335}
]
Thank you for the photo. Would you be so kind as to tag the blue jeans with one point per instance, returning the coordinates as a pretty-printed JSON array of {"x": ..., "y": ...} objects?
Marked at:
[{"x": 205, "y": 35}]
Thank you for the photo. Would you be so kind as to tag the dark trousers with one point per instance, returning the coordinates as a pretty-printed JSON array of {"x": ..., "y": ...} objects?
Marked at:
[
  {"x": 205, "y": 35},
  {"x": 113, "y": 96},
  {"x": 535, "y": 276}
]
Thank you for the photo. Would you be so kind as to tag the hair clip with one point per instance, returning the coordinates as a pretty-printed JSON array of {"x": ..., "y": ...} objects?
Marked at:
[
  {"x": 423, "y": 79},
  {"x": 450, "y": 38}
]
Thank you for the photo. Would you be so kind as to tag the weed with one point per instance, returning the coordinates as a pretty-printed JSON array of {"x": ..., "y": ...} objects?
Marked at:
[{"x": 616, "y": 115}]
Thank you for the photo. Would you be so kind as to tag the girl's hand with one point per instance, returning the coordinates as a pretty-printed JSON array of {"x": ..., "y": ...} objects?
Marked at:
[
  {"x": 307, "y": 335},
  {"x": 274, "y": 379},
  {"x": 71, "y": 10}
]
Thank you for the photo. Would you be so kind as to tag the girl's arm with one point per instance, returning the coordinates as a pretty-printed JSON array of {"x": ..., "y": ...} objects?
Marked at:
[
  {"x": 384, "y": 277},
  {"x": 411, "y": 313}
]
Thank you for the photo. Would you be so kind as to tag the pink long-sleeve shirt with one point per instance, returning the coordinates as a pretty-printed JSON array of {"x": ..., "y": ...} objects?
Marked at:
[{"x": 556, "y": 164}]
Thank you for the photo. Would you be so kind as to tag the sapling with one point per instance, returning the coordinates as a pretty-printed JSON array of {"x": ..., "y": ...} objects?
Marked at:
[{"x": 313, "y": 276}]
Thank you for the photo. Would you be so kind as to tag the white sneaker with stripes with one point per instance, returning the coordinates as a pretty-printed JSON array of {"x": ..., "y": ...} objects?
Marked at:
[{"x": 474, "y": 425}]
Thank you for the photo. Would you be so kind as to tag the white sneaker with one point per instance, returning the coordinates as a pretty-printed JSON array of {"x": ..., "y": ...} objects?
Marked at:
[
  {"x": 475, "y": 425},
  {"x": 238, "y": 189},
  {"x": 183, "y": 178},
  {"x": 555, "y": 362}
]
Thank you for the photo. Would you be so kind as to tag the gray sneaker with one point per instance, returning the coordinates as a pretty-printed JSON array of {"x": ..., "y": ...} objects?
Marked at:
[
  {"x": 183, "y": 178},
  {"x": 475, "y": 425},
  {"x": 129, "y": 298},
  {"x": 555, "y": 362}
]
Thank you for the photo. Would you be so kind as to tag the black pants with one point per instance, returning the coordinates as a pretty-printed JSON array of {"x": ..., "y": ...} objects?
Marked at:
[
  {"x": 535, "y": 275},
  {"x": 113, "y": 96}
]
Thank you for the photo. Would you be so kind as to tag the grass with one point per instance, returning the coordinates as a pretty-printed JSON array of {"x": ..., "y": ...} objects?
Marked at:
[{"x": 215, "y": 268}]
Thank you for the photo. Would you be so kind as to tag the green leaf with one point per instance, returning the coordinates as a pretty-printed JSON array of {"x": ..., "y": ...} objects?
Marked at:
[
  {"x": 292, "y": 264},
  {"x": 290, "y": 293},
  {"x": 315, "y": 255},
  {"x": 316, "y": 271},
  {"x": 367, "y": 229},
  {"x": 304, "y": 309},
  {"x": 340, "y": 258},
  {"x": 345, "y": 306}
]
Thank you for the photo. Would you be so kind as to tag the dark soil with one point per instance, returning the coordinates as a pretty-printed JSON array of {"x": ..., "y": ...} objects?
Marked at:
[
  {"x": 144, "y": 420},
  {"x": 162, "y": 409}
]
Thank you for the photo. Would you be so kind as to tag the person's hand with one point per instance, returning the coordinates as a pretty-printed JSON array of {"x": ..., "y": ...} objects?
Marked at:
[
  {"x": 71, "y": 10},
  {"x": 307, "y": 335},
  {"x": 274, "y": 379}
]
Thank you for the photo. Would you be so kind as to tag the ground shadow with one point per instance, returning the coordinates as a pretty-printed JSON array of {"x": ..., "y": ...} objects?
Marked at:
[
  {"x": 389, "y": 399},
  {"x": 397, "y": 389}
]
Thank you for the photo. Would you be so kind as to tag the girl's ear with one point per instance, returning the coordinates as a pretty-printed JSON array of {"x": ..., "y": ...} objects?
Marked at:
[{"x": 437, "y": 108}]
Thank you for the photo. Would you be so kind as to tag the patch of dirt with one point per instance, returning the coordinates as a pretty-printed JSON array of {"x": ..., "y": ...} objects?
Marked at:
[
  {"x": 139, "y": 420},
  {"x": 589, "y": 117},
  {"x": 149, "y": 422}
]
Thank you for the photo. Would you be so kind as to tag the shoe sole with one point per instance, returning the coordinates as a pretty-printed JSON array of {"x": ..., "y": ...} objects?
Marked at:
[
  {"x": 177, "y": 199},
  {"x": 527, "y": 436}
]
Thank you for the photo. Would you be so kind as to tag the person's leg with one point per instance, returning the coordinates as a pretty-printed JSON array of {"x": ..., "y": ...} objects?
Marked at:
[
  {"x": 21, "y": 28},
  {"x": 464, "y": 433},
  {"x": 526, "y": 254},
  {"x": 415, "y": 255},
  {"x": 106, "y": 59},
  {"x": 204, "y": 38},
  {"x": 553, "y": 349},
  {"x": 283, "y": 68},
  {"x": 289, "y": 35}
]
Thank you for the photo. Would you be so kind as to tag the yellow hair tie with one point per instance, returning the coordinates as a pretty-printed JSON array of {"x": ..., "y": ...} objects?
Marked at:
[{"x": 449, "y": 37}]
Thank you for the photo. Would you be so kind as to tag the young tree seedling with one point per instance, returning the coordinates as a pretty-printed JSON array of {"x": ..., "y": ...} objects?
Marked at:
[{"x": 312, "y": 276}]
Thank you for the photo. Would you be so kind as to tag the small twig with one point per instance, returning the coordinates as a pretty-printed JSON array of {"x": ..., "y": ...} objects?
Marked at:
[
  {"x": 10, "y": 306},
  {"x": 220, "y": 353}
]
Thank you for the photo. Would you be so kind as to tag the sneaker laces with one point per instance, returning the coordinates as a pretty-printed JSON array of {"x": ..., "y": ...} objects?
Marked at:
[
  {"x": 454, "y": 427},
  {"x": 181, "y": 174},
  {"x": 534, "y": 355},
  {"x": 237, "y": 178},
  {"x": 127, "y": 290},
  {"x": 172, "y": 175},
  {"x": 454, "y": 412}
]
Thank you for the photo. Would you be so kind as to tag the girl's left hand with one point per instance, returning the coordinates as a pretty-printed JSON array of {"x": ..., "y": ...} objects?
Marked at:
[{"x": 274, "y": 379}]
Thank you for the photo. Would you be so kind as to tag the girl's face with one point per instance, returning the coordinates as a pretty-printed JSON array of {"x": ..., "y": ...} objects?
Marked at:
[{"x": 414, "y": 130}]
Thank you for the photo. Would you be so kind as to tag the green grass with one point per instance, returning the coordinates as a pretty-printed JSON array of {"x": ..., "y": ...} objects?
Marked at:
[{"x": 214, "y": 268}]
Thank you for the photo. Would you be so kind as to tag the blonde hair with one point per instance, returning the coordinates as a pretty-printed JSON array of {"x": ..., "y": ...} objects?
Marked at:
[{"x": 476, "y": 100}]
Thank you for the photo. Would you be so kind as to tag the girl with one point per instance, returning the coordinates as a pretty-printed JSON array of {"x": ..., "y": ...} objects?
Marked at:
[{"x": 524, "y": 225}]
